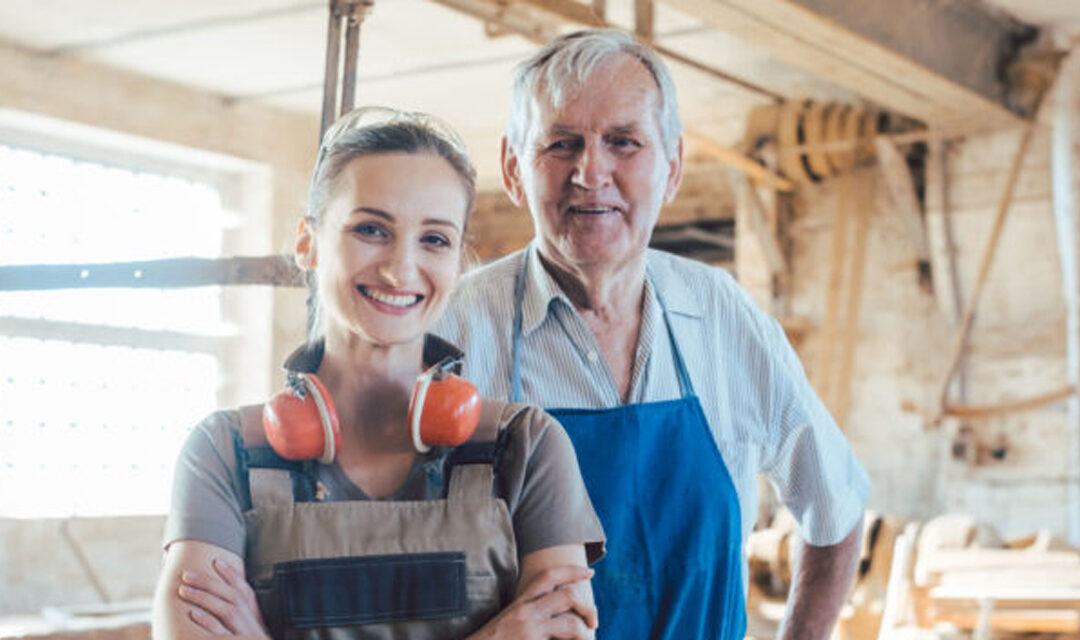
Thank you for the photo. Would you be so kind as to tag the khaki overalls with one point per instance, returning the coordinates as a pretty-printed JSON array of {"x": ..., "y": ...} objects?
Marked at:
[{"x": 435, "y": 569}]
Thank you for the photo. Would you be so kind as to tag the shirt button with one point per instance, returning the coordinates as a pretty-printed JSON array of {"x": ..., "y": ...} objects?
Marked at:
[{"x": 593, "y": 356}]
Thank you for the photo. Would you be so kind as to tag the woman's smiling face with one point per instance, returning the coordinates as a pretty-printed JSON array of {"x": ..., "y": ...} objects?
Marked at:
[{"x": 388, "y": 248}]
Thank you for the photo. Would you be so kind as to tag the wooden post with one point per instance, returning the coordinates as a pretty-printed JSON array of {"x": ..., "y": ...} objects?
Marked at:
[
  {"x": 902, "y": 188},
  {"x": 760, "y": 225},
  {"x": 850, "y": 338},
  {"x": 1064, "y": 167},
  {"x": 833, "y": 287}
]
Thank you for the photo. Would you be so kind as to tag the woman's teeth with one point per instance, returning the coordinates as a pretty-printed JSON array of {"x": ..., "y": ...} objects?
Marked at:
[
  {"x": 394, "y": 300},
  {"x": 592, "y": 209}
]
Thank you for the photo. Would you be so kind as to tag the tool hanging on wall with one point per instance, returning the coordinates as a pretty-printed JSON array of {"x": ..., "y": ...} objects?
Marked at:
[
  {"x": 813, "y": 140},
  {"x": 346, "y": 17}
]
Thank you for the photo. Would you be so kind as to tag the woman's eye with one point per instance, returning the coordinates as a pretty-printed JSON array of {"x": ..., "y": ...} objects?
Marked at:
[
  {"x": 370, "y": 230},
  {"x": 436, "y": 240}
]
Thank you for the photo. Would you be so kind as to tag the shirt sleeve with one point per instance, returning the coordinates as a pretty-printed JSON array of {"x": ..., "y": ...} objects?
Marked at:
[
  {"x": 546, "y": 495},
  {"x": 205, "y": 494},
  {"x": 807, "y": 457}
]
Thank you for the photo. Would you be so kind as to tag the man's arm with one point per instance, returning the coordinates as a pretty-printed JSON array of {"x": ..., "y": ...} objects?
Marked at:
[{"x": 820, "y": 586}]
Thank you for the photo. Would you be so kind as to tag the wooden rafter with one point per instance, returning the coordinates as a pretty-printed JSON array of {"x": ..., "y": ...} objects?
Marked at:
[{"x": 832, "y": 41}]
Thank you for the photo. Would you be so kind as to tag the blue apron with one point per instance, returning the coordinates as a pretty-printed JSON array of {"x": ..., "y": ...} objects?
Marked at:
[{"x": 673, "y": 568}]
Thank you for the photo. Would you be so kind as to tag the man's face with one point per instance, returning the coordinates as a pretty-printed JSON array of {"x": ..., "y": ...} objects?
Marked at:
[{"x": 594, "y": 171}]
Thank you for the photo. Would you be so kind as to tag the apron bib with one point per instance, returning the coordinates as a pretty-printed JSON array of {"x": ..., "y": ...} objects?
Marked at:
[
  {"x": 424, "y": 569},
  {"x": 673, "y": 568}
]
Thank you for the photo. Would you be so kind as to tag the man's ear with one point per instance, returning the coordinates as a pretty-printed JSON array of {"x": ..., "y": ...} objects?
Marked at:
[
  {"x": 511, "y": 173},
  {"x": 305, "y": 246},
  {"x": 674, "y": 173}
]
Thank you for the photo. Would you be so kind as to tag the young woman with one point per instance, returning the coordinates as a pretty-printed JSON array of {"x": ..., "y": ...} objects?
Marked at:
[{"x": 380, "y": 540}]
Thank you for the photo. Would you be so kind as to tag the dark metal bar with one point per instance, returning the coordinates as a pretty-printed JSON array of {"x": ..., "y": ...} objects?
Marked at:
[
  {"x": 352, "y": 50},
  {"x": 330, "y": 78},
  {"x": 644, "y": 19},
  {"x": 279, "y": 270}
]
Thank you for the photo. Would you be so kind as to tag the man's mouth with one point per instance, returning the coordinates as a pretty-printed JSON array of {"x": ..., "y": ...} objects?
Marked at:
[
  {"x": 399, "y": 300},
  {"x": 591, "y": 209}
]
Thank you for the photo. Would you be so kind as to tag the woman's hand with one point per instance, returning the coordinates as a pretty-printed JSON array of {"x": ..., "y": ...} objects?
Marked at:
[
  {"x": 224, "y": 604},
  {"x": 557, "y": 603}
]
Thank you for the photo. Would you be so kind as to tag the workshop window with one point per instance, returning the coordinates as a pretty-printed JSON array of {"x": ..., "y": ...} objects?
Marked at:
[{"x": 99, "y": 387}]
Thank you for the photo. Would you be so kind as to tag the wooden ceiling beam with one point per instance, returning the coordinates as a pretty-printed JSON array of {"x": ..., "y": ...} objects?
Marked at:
[
  {"x": 941, "y": 63},
  {"x": 508, "y": 17}
]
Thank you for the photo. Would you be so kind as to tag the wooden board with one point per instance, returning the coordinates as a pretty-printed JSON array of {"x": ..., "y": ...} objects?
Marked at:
[{"x": 815, "y": 43}]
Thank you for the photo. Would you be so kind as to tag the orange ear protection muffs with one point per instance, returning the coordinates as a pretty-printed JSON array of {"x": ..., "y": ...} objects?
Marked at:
[
  {"x": 444, "y": 408},
  {"x": 301, "y": 424}
]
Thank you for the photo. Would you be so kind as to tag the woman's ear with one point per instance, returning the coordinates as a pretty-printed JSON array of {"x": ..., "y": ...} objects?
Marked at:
[{"x": 305, "y": 245}]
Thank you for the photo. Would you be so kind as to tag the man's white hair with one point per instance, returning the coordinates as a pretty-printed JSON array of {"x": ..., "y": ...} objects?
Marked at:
[{"x": 566, "y": 63}]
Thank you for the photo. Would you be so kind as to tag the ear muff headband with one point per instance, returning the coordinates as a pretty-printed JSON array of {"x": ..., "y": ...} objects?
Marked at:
[
  {"x": 322, "y": 399},
  {"x": 416, "y": 408}
]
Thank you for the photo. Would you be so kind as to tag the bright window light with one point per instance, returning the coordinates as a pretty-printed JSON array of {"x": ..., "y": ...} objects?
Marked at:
[{"x": 91, "y": 428}]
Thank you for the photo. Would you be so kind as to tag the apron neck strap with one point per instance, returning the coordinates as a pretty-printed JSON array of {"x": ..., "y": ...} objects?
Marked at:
[{"x": 686, "y": 387}]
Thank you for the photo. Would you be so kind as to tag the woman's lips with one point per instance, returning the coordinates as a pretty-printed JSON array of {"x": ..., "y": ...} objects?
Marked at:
[{"x": 390, "y": 301}]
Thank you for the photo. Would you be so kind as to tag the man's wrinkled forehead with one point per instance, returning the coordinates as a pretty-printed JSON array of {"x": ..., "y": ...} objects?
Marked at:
[{"x": 548, "y": 100}]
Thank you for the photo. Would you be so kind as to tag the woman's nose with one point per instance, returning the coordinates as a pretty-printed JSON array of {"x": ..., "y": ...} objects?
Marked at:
[{"x": 398, "y": 267}]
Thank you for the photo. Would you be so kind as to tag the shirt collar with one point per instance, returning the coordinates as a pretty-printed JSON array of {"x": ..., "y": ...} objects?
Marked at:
[
  {"x": 308, "y": 356},
  {"x": 541, "y": 289},
  {"x": 678, "y": 298}
]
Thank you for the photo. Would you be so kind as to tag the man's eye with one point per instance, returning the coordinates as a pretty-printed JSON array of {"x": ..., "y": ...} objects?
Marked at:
[
  {"x": 623, "y": 143},
  {"x": 561, "y": 146}
]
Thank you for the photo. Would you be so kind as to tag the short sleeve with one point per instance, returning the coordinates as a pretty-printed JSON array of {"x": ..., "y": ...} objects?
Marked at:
[
  {"x": 205, "y": 494},
  {"x": 546, "y": 495},
  {"x": 807, "y": 457}
]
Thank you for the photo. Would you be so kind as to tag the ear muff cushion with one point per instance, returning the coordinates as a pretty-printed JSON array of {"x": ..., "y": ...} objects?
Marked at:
[
  {"x": 443, "y": 411},
  {"x": 303, "y": 426}
]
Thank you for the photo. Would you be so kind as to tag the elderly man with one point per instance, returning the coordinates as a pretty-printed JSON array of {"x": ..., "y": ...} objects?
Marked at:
[{"x": 675, "y": 389}]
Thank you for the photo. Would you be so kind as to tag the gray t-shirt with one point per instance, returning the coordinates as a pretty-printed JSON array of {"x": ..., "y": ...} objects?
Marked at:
[{"x": 537, "y": 475}]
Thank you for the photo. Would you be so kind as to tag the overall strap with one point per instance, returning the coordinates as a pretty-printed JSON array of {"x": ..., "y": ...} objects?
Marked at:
[
  {"x": 266, "y": 478},
  {"x": 471, "y": 466}
]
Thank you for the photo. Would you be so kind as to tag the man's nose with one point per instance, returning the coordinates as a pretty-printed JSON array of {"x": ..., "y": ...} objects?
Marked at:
[{"x": 593, "y": 168}]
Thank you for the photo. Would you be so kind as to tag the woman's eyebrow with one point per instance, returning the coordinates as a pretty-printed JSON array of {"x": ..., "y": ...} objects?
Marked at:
[
  {"x": 442, "y": 222},
  {"x": 379, "y": 213}
]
